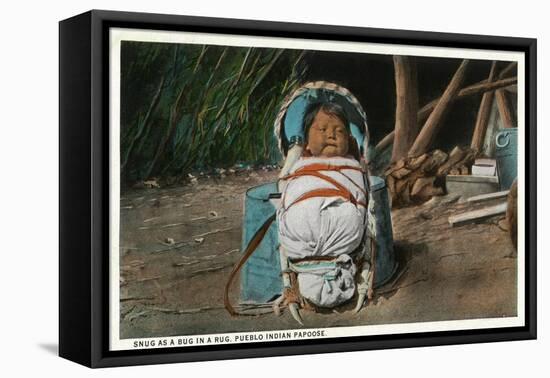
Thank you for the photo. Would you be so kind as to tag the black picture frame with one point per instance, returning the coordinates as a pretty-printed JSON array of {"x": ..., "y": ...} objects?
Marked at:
[{"x": 84, "y": 187}]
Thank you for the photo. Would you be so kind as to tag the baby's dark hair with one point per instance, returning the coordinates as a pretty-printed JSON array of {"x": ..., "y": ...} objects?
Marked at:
[{"x": 329, "y": 108}]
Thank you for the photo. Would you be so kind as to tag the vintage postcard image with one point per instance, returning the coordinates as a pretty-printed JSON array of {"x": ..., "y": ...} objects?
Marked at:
[{"x": 271, "y": 189}]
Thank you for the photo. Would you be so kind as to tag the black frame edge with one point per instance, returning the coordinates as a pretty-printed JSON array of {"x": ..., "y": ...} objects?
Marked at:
[
  {"x": 98, "y": 355},
  {"x": 100, "y": 245},
  {"x": 314, "y": 31},
  {"x": 531, "y": 185},
  {"x": 75, "y": 336}
]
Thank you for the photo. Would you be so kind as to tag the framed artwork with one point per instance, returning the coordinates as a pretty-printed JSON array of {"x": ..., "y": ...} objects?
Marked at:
[{"x": 234, "y": 188}]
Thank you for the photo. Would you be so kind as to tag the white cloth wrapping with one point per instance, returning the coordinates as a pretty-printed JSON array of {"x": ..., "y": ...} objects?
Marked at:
[
  {"x": 323, "y": 226},
  {"x": 327, "y": 284}
]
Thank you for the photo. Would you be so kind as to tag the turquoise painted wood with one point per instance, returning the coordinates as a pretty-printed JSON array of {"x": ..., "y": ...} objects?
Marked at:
[
  {"x": 506, "y": 152},
  {"x": 261, "y": 275}
]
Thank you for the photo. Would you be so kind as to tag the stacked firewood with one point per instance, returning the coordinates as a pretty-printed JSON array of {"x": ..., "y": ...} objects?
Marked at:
[
  {"x": 412, "y": 180},
  {"x": 416, "y": 174}
]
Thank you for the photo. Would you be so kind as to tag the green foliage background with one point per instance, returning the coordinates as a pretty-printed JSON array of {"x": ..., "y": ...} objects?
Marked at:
[{"x": 186, "y": 107}]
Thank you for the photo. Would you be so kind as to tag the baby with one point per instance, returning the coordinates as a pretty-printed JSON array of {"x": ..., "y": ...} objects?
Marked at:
[{"x": 322, "y": 217}]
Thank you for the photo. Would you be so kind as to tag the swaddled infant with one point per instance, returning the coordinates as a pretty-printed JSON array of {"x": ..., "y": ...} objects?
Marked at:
[{"x": 323, "y": 208}]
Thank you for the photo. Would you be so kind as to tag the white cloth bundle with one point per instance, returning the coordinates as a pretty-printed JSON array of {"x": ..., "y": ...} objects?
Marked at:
[
  {"x": 327, "y": 283},
  {"x": 323, "y": 226}
]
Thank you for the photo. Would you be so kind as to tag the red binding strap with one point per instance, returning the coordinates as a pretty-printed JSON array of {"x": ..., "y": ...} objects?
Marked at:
[
  {"x": 340, "y": 191},
  {"x": 328, "y": 167}
]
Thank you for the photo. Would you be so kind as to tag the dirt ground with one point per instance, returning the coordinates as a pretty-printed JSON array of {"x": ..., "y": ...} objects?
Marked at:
[{"x": 178, "y": 245}]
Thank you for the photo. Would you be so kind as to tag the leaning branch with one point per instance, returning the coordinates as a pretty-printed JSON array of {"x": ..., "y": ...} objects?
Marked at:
[
  {"x": 435, "y": 120},
  {"x": 474, "y": 89}
]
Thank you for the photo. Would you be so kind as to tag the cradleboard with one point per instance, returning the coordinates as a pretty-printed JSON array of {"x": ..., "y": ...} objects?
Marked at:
[{"x": 260, "y": 266}]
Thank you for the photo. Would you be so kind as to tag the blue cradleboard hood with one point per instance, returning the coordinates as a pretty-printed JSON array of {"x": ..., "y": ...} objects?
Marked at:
[{"x": 289, "y": 122}]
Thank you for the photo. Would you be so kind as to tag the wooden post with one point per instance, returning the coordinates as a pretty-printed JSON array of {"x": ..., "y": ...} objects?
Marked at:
[
  {"x": 502, "y": 99},
  {"x": 483, "y": 114},
  {"x": 435, "y": 120},
  {"x": 504, "y": 109},
  {"x": 406, "y": 112}
]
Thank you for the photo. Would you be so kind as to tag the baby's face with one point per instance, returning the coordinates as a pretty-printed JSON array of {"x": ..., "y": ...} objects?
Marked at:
[{"x": 328, "y": 136}]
